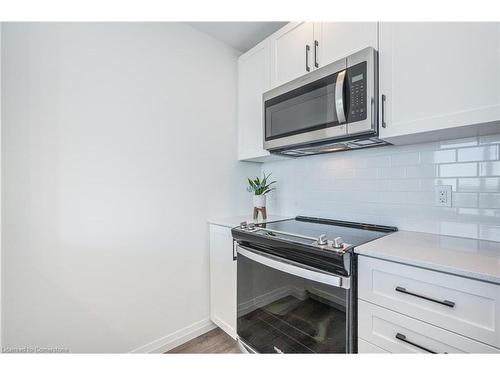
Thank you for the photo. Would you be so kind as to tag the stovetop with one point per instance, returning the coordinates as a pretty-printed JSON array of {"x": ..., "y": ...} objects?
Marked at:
[
  {"x": 319, "y": 243},
  {"x": 340, "y": 235}
]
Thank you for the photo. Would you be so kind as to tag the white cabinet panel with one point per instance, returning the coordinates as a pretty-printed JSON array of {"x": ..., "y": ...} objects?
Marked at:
[
  {"x": 437, "y": 77},
  {"x": 222, "y": 280},
  {"x": 472, "y": 308},
  {"x": 364, "y": 347},
  {"x": 254, "y": 69},
  {"x": 288, "y": 52},
  {"x": 398, "y": 333},
  {"x": 337, "y": 40}
]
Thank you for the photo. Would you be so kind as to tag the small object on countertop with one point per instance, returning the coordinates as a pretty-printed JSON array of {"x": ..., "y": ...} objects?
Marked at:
[
  {"x": 260, "y": 187},
  {"x": 251, "y": 226},
  {"x": 256, "y": 211},
  {"x": 243, "y": 224}
]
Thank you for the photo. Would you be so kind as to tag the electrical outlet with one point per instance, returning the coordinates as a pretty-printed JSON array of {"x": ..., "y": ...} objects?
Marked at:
[{"x": 442, "y": 196}]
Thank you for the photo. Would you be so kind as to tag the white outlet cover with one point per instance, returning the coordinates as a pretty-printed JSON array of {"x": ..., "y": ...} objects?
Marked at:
[{"x": 442, "y": 196}]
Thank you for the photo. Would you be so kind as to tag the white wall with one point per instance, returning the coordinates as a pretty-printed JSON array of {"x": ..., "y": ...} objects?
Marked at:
[
  {"x": 1, "y": 290},
  {"x": 118, "y": 141},
  {"x": 394, "y": 185}
]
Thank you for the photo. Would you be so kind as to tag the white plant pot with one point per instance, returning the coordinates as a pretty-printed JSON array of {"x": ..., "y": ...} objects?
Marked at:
[{"x": 259, "y": 201}]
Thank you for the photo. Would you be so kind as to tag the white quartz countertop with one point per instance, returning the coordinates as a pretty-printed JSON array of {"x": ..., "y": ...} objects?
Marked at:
[
  {"x": 460, "y": 256},
  {"x": 233, "y": 221}
]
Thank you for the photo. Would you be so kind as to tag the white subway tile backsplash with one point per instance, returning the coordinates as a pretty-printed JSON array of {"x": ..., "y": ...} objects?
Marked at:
[
  {"x": 489, "y": 232},
  {"x": 489, "y": 200},
  {"x": 424, "y": 198},
  {"x": 422, "y": 171},
  {"x": 459, "y": 229},
  {"x": 484, "y": 184},
  {"x": 478, "y": 215},
  {"x": 436, "y": 157},
  {"x": 394, "y": 172},
  {"x": 377, "y": 161},
  {"x": 464, "y": 200},
  {"x": 406, "y": 158},
  {"x": 405, "y": 184},
  {"x": 364, "y": 173},
  {"x": 458, "y": 170},
  {"x": 490, "y": 168},
  {"x": 395, "y": 185},
  {"x": 478, "y": 153}
]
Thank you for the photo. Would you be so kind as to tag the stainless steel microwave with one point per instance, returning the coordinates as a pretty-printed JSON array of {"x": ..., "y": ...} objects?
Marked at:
[{"x": 334, "y": 108}]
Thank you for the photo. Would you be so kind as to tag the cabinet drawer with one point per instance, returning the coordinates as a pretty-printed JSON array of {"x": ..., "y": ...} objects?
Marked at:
[
  {"x": 398, "y": 333},
  {"x": 468, "y": 307},
  {"x": 365, "y": 347}
]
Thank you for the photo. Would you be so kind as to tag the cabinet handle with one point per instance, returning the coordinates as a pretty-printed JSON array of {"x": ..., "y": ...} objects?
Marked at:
[
  {"x": 402, "y": 337},
  {"x": 316, "y": 44},
  {"x": 308, "y": 48},
  {"x": 384, "y": 125},
  {"x": 445, "y": 302},
  {"x": 235, "y": 252}
]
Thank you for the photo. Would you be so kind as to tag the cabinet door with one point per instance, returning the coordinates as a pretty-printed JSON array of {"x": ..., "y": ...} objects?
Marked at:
[
  {"x": 222, "y": 280},
  {"x": 253, "y": 79},
  {"x": 337, "y": 40},
  {"x": 289, "y": 56},
  {"x": 437, "y": 77}
]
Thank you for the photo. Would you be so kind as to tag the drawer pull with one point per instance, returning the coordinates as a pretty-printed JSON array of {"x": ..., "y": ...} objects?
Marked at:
[
  {"x": 402, "y": 337},
  {"x": 445, "y": 302}
]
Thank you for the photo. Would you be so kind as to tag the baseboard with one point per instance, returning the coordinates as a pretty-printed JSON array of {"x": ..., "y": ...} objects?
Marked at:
[
  {"x": 179, "y": 337},
  {"x": 225, "y": 327}
]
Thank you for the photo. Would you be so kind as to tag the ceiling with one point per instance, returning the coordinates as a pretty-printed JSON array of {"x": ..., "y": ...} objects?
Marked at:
[{"x": 239, "y": 35}]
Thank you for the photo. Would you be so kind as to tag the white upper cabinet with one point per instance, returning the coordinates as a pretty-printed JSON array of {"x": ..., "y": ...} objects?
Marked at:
[
  {"x": 336, "y": 40},
  {"x": 292, "y": 52},
  {"x": 439, "y": 80},
  {"x": 253, "y": 80}
]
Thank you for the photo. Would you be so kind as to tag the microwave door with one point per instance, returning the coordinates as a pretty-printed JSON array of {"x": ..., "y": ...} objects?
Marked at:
[{"x": 306, "y": 114}]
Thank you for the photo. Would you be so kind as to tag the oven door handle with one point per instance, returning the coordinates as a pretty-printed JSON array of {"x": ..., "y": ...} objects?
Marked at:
[{"x": 293, "y": 269}]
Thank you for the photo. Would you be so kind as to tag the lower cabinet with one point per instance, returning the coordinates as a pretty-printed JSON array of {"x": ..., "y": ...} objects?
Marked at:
[
  {"x": 364, "y": 347},
  {"x": 397, "y": 333},
  {"x": 406, "y": 309},
  {"x": 222, "y": 279}
]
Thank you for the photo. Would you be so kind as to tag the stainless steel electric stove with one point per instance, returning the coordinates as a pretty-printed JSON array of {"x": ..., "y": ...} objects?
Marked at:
[{"x": 297, "y": 284}]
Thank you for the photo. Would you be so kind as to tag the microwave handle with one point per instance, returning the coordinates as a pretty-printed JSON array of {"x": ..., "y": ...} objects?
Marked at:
[
  {"x": 291, "y": 268},
  {"x": 339, "y": 97}
]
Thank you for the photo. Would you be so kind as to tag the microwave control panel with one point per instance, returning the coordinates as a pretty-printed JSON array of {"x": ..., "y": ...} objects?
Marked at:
[{"x": 357, "y": 92}]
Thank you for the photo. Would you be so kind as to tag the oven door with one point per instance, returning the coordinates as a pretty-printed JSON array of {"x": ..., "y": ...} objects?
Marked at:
[{"x": 285, "y": 307}]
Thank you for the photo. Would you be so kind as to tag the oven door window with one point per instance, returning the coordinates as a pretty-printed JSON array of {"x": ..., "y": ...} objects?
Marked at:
[
  {"x": 310, "y": 107},
  {"x": 282, "y": 313}
]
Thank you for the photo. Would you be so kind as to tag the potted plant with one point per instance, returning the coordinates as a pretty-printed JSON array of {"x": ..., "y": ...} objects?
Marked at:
[{"x": 260, "y": 188}]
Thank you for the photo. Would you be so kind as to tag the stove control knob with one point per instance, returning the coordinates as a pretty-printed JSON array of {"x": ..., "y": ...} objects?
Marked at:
[
  {"x": 322, "y": 241},
  {"x": 337, "y": 243},
  {"x": 243, "y": 225},
  {"x": 251, "y": 226}
]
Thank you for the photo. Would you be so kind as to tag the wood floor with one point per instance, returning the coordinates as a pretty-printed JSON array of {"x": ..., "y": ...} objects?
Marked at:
[{"x": 214, "y": 341}]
